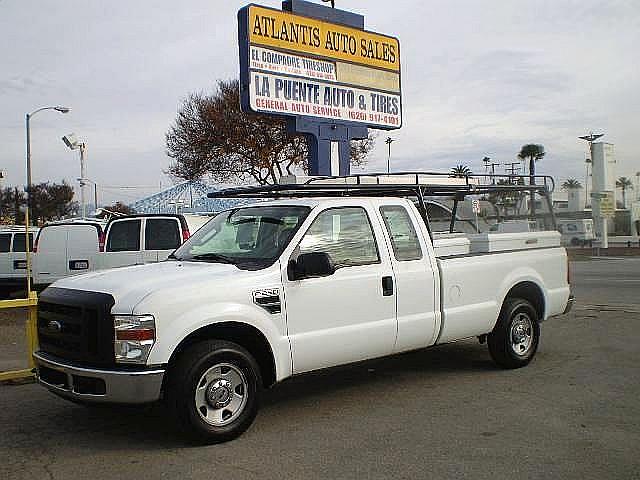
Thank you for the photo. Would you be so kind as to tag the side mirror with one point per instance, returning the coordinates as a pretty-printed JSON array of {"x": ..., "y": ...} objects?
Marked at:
[{"x": 309, "y": 265}]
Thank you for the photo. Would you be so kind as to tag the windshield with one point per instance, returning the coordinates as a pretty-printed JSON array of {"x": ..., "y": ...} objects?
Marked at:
[{"x": 251, "y": 237}]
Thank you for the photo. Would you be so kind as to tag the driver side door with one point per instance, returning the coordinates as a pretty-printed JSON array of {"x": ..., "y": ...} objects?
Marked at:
[{"x": 350, "y": 315}]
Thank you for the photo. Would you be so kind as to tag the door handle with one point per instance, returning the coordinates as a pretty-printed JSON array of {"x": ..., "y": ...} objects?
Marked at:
[{"x": 387, "y": 286}]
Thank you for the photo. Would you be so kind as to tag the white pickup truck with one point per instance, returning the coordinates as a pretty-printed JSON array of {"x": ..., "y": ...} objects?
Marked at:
[{"x": 283, "y": 287}]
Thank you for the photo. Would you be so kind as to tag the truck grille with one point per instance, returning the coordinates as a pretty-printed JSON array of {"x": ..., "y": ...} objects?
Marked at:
[{"x": 76, "y": 325}]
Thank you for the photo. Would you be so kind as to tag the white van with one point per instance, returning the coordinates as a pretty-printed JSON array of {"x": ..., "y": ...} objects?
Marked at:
[
  {"x": 140, "y": 239},
  {"x": 66, "y": 248},
  {"x": 78, "y": 246},
  {"x": 576, "y": 232},
  {"x": 13, "y": 260}
]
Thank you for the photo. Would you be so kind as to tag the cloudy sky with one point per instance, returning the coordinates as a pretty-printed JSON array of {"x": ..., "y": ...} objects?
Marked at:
[{"x": 479, "y": 78}]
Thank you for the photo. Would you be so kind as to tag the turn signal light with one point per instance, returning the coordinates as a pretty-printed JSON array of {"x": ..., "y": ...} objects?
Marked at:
[
  {"x": 137, "y": 335},
  {"x": 134, "y": 337}
]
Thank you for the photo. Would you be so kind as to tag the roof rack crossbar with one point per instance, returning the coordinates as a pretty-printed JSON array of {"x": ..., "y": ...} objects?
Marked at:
[{"x": 469, "y": 179}]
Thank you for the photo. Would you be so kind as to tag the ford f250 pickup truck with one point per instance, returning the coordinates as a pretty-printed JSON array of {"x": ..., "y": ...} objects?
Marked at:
[{"x": 323, "y": 275}]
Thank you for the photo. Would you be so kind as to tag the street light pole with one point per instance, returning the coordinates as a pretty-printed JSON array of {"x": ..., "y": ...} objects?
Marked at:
[
  {"x": 83, "y": 149},
  {"x": 29, "y": 183},
  {"x": 586, "y": 184},
  {"x": 389, "y": 141}
]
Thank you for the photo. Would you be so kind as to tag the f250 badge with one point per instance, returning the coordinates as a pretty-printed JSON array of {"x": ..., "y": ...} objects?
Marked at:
[{"x": 268, "y": 298}]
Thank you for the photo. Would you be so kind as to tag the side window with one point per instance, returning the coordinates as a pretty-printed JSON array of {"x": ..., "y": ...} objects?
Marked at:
[
  {"x": 5, "y": 242},
  {"x": 161, "y": 234},
  {"x": 345, "y": 234},
  {"x": 404, "y": 240},
  {"x": 19, "y": 243},
  {"x": 124, "y": 236}
]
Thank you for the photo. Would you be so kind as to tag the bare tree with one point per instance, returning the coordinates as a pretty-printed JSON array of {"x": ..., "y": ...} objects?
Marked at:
[{"x": 211, "y": 136}]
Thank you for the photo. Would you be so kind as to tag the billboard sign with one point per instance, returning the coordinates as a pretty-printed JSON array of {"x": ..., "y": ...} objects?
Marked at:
[{"x": 296, "y": 65}]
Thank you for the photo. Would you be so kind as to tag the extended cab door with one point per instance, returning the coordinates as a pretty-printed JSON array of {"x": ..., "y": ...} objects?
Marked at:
[
  {"x": 414, "y": 270},
  {"x": 351, "y": 314},
  {"x": 162, "y": 235},
  {"x": 123, "y": 243}
]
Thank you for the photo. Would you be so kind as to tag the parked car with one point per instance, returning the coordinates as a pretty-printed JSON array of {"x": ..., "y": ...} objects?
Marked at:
[{"x": 13, "y": 259}]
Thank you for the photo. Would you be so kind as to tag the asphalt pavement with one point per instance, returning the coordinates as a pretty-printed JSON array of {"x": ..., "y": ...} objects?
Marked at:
[{"x": 445, "y": 412}]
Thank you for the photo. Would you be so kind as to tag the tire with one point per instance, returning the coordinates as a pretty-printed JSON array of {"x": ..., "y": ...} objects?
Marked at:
[
  {"x": 213, "y": 390},
  {"x": 514, "y": 340}
]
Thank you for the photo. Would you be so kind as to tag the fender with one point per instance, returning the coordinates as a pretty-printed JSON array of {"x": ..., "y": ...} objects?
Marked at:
[
  {"x": 172, "y": 331},
  {"x": 521, "y": 275}
]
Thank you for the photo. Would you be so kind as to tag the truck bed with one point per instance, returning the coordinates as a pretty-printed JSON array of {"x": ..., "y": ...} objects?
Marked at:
[{"x": 474, "y": 285}]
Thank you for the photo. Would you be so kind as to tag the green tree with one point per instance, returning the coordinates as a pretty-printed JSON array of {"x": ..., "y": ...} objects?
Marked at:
[
  {"x": 12, "y": 204},
  {"x": 212, "y": 136},
  {"x": 571, "y": 183},
  {"x": 624, "y": 183},
  {"x": 532, "y": 152},
  {"x": 51, "y": 201},
  {"x": 461, "y": 171}
]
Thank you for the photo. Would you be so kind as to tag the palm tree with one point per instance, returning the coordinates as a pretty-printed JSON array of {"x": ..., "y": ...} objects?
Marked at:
[
  {"x": 461, "y": 171},
  {"x": 533, "y": 152},
  {"x": 624, "y": 183},
  {"x": 571, "y": 183}
]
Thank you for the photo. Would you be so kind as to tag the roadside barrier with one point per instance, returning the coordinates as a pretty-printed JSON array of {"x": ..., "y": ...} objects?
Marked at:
[
  {"x": 31, "y": 302},
  {"x": 31, "y": 330}
]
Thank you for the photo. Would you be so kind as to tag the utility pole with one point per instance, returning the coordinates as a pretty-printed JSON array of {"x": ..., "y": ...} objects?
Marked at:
[
  {"x": 512, "y": 168},
  {"x": 83, "y": 149},
  {"x": 389, "y": 141},
  {"x": 493, "y": 172},
  {"x": 486, "y": 161},
  {"x": 586, "y": 183}
]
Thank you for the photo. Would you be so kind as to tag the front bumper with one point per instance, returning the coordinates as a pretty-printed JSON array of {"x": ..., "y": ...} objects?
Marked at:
[{"x": 94, "y": 385}]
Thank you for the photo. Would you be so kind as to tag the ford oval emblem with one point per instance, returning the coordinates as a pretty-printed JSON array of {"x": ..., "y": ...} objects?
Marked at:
[{"x": 54, "y": 326}]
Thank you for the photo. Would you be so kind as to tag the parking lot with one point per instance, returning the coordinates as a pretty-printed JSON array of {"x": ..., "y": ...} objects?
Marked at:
[{"x": 446, "y": 412}]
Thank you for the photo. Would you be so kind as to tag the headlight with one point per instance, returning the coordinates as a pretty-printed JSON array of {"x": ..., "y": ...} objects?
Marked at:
[{"x": 134, "y": 337}]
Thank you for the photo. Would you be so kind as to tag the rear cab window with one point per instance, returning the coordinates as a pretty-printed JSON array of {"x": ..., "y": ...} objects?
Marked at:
[
  {"x": 404, "y": 239},
  {"x": 162, "y": 234},
  {"x": 124, "y": 236}
]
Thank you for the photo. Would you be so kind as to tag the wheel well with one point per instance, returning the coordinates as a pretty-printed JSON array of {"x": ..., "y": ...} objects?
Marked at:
[
  {"x": 531, "y": 292},
  {"x": 242, "y": 334}
]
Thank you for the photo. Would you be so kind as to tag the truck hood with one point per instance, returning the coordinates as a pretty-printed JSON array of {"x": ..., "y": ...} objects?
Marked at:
[{"x": 129, "y": 285}]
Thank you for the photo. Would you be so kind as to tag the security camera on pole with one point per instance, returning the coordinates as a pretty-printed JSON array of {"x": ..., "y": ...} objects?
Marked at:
[{"x": 73, "y": 143}]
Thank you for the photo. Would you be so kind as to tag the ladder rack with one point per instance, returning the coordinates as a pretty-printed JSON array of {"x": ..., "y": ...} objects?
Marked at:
[{"x": 390, "y": 184}]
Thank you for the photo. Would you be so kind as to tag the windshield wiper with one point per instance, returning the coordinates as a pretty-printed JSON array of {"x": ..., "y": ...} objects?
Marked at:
[
  {"x": 173, "y": 257},
  {"x": 212, "y": 257}
]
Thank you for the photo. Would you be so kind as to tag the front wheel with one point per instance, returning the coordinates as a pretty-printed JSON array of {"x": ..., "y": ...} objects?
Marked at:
[
  {"x": 213, "y": 390},
  {"x": 514, "y": 340}
]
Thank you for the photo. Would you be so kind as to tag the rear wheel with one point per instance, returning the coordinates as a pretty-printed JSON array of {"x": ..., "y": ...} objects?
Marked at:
[
  {"x": 213, "y": 390},
  {"x": 514, "y": 340}
]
